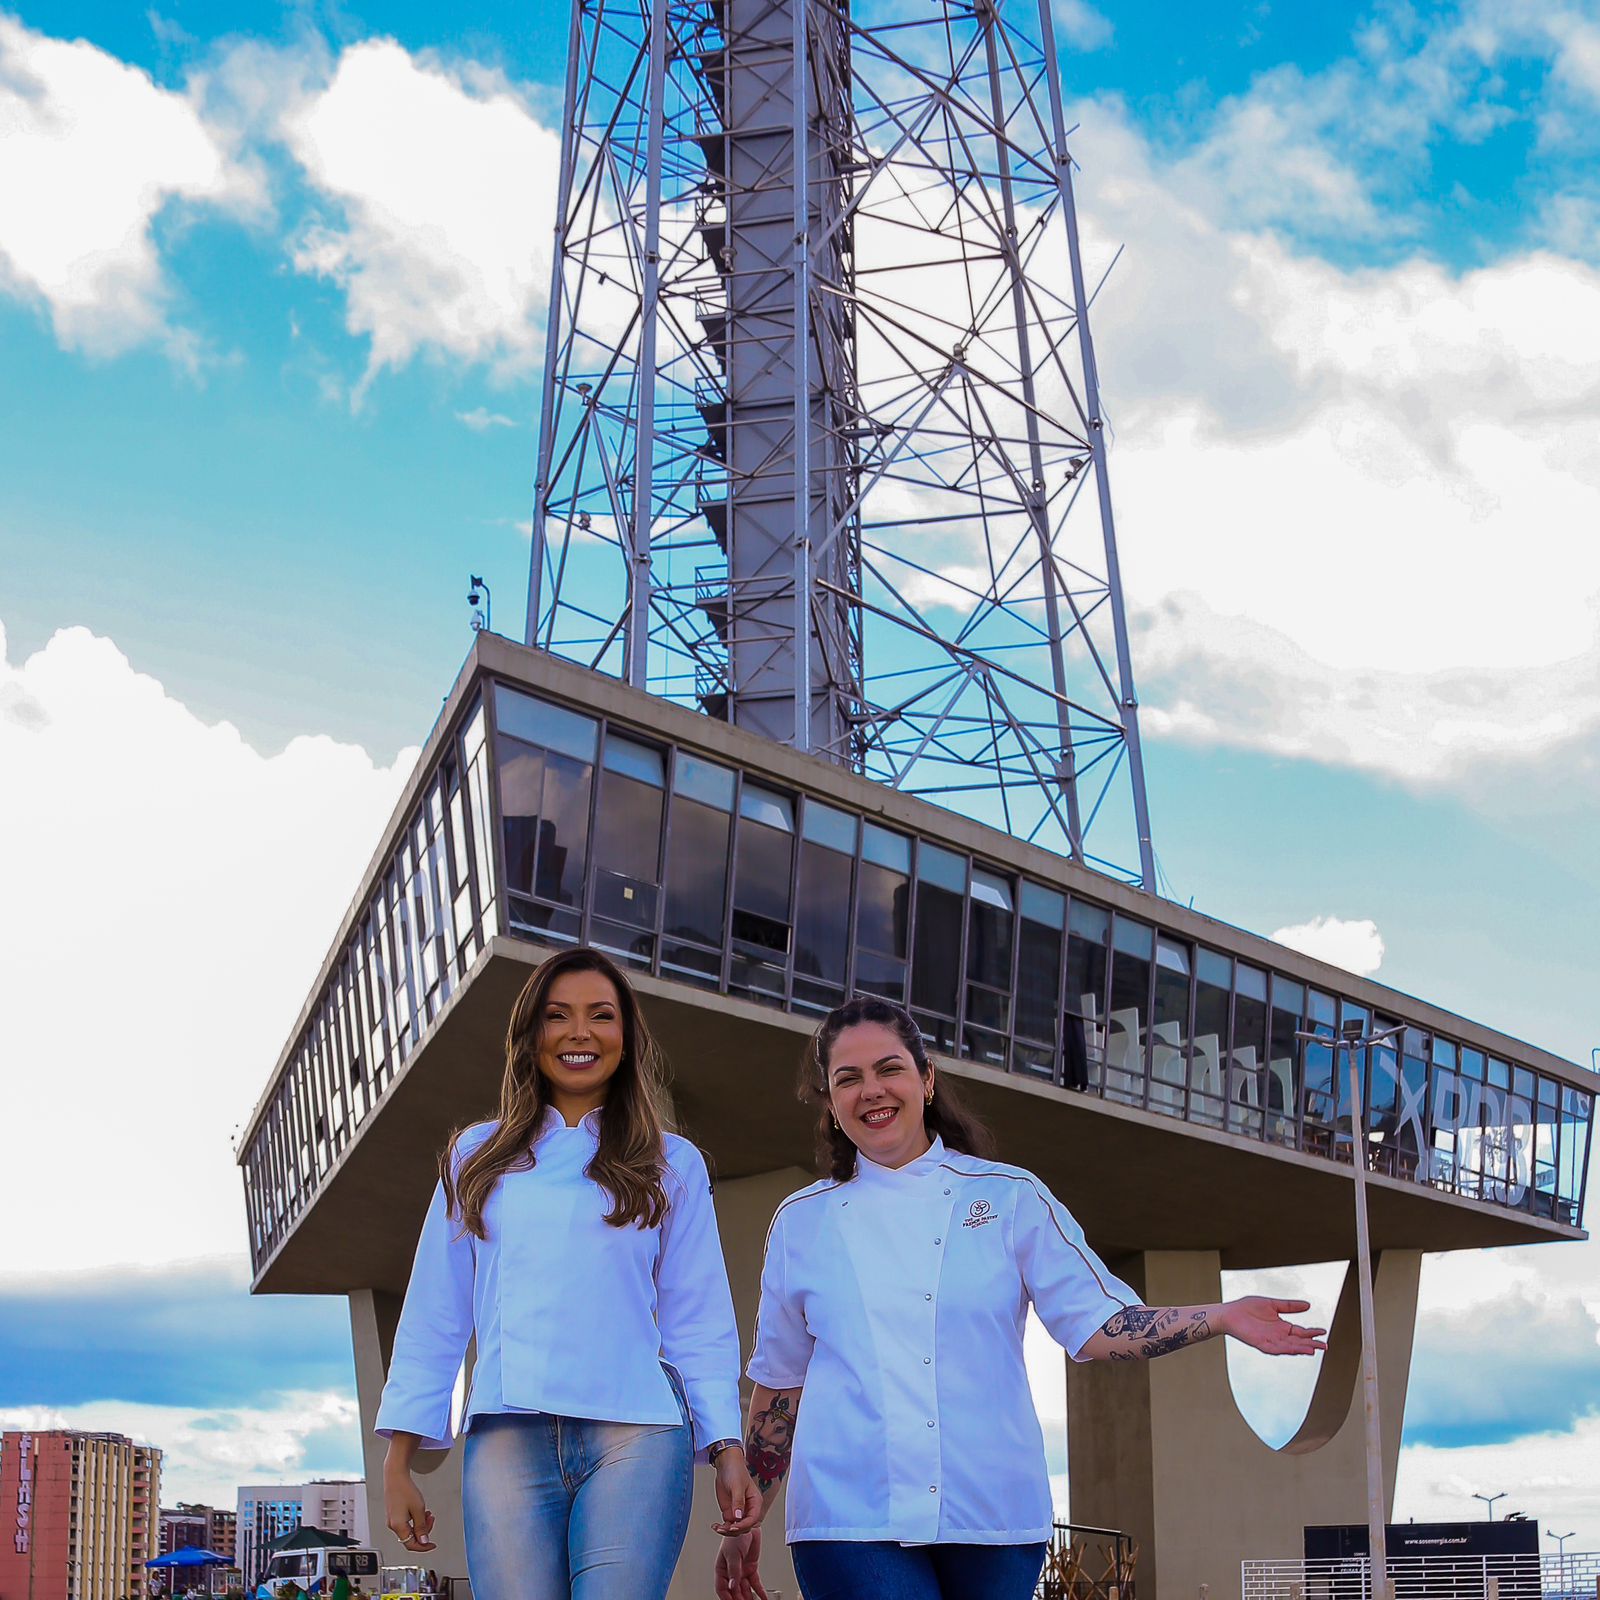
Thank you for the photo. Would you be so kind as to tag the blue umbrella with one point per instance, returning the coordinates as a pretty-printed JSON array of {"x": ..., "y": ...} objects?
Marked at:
[{"x": 190, "y": 1556}]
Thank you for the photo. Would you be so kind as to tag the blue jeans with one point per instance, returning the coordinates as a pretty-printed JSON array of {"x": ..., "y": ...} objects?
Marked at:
[
  {"x": 839, "y": 1569},
  {"x": 563, "y": 1508}
]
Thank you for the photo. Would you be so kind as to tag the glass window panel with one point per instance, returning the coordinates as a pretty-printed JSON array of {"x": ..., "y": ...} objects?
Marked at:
[
  {"x": 936, "y": 945},
  {"x": 822, "y": 920},
  {"x": 989, "y": 939},
  {"x": 641, "y": 761},
  {"x": 1520, "y": 1118},
  {"x": 1088, "y": 969},
  {"x": 628, "y": 831},
  {"x": 1444, "y": 1053},
  {"x": 1038, "y": 975},
  {"x": 1213, "y": 989},
  {"x": 1411, "y": 1122},
  {"x": 1128, "y": 1017},
  {"x": 1283, "y": 1056},
  {"x": 1448, "y": 1116},
  {"x": 823, "y": 825},
  {"x": 1043, "y": 905},
  {"x": 563, "y": 830},
  {"x": 1494, "y": 1121},
  {"x": 703, "y": 781},
  {"x": 1169, "y": 1044},
  {"x": 1576, "y": 1110},
  {"x": 549, "y": 726},
  {"x": 885, "y": 849},
  {"x": 941, "y": 867},
  {"x": 761, "y": 884},
  {"x": 762, "y": 805},
  {"x": 1248, "y": 1051},
  {"x": 697, "y": 871},
  {"x": 521, "y": 770},
  {"x": 1545, "y": 1149},
  {"x": 991, "y": 889}
]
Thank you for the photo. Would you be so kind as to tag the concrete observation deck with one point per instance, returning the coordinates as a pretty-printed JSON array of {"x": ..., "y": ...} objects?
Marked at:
[{"x": 1139, "y": 1056}]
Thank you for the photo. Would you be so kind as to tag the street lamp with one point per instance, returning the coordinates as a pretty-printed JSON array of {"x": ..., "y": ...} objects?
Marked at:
[
  {"x": 1561, "y": 1555},
  {"x": 1489, "y": 1500},
  {"x": 1351, "y": 1039}
]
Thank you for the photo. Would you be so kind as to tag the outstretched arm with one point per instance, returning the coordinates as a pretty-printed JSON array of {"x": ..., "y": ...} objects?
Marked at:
[{"x": 1141, "y": 1333}]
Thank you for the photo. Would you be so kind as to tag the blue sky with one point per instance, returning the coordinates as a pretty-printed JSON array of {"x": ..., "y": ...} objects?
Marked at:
[{"x": 268, "y": 396}]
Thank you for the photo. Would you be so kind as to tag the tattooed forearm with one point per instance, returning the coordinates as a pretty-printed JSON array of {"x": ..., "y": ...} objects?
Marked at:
[
  {"x": 1141, "y": 1333},
  {"x": 770, "y": 1441}
]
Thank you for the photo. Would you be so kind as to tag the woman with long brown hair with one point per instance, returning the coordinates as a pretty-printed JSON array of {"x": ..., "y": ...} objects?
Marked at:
[
  {"x": 575, "y": 1238},
  {"x": 894, "y": 1293}
]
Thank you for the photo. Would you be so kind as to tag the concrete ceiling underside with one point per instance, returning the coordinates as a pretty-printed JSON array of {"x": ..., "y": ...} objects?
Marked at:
[{"x": 1135, "y": 1180}]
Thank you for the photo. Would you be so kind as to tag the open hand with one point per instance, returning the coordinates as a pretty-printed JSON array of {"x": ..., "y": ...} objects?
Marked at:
[
  {"x": 1258, "y": 1321},
  {"x": 738, "y": 1577}
]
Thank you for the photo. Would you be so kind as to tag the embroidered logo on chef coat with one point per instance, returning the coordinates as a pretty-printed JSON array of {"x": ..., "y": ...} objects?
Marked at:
[{"x": 978, "y": 1213}]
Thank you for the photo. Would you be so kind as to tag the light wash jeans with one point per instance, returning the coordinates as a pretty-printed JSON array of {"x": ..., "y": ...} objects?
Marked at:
[{"x": 563, "y": 1508}]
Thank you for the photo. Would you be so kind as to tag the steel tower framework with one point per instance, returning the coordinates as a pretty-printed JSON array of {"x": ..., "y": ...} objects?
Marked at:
[{"x": 822, "y": 447}]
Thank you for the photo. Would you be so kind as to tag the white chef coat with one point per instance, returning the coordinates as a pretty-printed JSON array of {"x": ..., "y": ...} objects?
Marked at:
[
  {"x": 573, "y": 1316},
  {"x": 898, "y": 1299}
]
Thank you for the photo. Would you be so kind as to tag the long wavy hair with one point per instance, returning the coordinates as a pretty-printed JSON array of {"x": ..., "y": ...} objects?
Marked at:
[
  {"x": 630, "y": 1159},
  {"x": 943, "y": 1115}
]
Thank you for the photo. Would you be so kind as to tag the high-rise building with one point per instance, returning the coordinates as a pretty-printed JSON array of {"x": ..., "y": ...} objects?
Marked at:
[
  {"x": 266, "y": 1511},
  {"x": 198, "y": 1527},
  {"x": 80, "y": 1512}
]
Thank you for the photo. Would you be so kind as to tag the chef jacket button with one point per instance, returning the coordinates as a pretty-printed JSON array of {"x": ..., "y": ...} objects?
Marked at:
[
  {"x": 927, "y": 1297},
  {"x": 933, "y": 1488},
  {"x": 947, "y": 1191},
  {"x": 930, "y": 1422},
  {"x": 938, "y": 1241},
  {"x": 927, "y": 1361}
]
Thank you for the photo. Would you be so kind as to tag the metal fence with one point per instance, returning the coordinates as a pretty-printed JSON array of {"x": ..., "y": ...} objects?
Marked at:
[{"x": 1504, "y": 1577}]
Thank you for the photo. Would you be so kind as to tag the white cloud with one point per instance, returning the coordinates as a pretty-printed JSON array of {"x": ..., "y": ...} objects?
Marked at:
[
  {"x": 444, "y": 188},
  {"x": 181, "y": 890},
  {"x": 208, "y": 1453},
  {"x": 480, "y": 419},
  {"x": 1549, "y": 1476},
  {"x": 1355, "y": 506},
  {"x": 1080, "y": 25},
  {"x": 95, "y": 154},
  {"x": 1357, "y": 946}
]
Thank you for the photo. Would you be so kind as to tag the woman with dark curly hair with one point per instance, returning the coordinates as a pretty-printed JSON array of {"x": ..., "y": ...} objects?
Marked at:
[
  {"x": 894, "y": 1294},
  {"x": 576, "y": 1239}
]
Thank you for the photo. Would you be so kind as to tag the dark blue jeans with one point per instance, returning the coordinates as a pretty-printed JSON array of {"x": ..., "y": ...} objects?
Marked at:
[{"x": 838, "y": 1569}]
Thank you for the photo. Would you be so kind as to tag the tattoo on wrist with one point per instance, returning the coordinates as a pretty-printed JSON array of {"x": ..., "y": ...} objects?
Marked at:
[{"x": 769, "y": 1443}]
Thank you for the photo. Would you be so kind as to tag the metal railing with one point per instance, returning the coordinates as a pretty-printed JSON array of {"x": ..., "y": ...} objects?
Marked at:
[{"x": 1431, "y": 1577}]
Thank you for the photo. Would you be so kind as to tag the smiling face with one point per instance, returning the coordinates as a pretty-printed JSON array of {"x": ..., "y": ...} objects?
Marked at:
[
  {"x": 580, "y": 1041},
  {"x": 878, "y": 1094}
]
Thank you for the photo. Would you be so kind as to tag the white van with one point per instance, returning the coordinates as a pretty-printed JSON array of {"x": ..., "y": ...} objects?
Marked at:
[{"x": 316, "y": 1571}]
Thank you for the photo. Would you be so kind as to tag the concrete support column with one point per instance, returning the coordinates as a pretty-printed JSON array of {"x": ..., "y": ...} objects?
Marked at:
[
  {"x": 374, "y": 1315},
  {"x": 1160, "y": 1449},
  {"x": 744, "y": 1213}
]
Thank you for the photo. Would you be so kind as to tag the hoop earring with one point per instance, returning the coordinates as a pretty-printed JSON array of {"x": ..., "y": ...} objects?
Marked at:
[{"x": 928, "y": 1098}]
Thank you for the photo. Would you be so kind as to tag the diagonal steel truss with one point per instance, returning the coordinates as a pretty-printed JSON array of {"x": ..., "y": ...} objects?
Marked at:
[{"x": 823, "y": 450}]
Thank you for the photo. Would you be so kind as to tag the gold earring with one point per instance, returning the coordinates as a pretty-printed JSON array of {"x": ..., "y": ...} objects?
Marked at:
[
  {"x": 834, "y": 1120},
  {"x": 929, "y": 1099}
]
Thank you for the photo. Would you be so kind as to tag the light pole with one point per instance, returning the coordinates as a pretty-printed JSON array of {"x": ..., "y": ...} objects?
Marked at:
[
  {"x": 1561, "y": 1554},
  {"x": 1351, "y": 1039},
  {"x": 1489, "y": 1500}
]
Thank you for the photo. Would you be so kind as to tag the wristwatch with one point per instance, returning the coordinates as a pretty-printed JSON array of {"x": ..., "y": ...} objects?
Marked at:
[{"x": 716, "y": 1448}]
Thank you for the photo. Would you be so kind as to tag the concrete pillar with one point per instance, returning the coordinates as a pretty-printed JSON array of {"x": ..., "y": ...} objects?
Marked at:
[
  {"x": 1160, "y": 1449},
  {"x": 744, "y": 1213},
  {"x": 374, "y": 1314}
]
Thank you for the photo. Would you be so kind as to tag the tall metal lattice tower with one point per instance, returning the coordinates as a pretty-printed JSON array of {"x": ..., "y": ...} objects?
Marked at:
[{"x": 822, "y": 447}]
